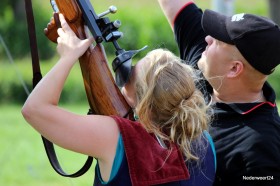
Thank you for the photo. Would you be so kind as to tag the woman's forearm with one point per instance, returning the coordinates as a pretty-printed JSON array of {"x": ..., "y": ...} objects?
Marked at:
[{"x": 48, "y": 90}]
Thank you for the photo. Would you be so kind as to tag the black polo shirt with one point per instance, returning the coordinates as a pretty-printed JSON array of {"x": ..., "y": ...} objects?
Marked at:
[{"x": 247, "y": 135}]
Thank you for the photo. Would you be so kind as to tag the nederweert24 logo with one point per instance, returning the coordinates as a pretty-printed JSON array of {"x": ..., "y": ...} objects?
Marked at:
[{"x": 237, "y": 17}]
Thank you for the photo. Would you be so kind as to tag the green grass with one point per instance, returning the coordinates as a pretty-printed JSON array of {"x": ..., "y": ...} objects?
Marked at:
[{"x": 23, "y": 159}]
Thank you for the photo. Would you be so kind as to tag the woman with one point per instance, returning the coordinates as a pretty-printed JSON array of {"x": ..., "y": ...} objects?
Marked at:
[{"x": 167, "y": 145}]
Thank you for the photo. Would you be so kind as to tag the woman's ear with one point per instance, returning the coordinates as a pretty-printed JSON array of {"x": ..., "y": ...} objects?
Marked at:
[
  {"x": 236, "y": 69},
  {"x": 129, "y": 93}
]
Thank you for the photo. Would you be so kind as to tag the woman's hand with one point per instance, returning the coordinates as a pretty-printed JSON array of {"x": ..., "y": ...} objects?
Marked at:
[{"x": 70, "y": 47}]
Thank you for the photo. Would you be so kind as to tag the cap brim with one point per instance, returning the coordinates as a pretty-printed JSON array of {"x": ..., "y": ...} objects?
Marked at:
[
  {"x": 123, "y": 72},
  {"x": 214, "y": 24}
]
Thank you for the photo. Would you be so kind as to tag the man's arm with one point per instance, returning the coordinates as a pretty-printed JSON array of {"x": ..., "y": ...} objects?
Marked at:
[{"x": 171, "y": 8}]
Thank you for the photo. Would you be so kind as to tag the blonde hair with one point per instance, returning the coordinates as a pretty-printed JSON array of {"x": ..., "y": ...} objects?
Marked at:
[{"x": 168, "y": 102}]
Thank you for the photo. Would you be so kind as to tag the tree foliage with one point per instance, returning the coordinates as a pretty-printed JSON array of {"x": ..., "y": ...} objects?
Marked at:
[
  {"x": 13, "y": 28},
  {"x": 138, "y": 31}
]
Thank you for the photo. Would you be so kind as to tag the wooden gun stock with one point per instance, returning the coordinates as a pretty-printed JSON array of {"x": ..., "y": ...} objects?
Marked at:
[{"x": 103, "y": 95}]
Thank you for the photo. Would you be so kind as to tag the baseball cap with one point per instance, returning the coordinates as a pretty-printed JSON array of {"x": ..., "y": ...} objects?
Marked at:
[{"x": 256, "y": 37}]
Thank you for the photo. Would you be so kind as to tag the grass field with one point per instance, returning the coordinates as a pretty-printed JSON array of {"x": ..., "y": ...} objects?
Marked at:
[{"x": 23, "y": 159}]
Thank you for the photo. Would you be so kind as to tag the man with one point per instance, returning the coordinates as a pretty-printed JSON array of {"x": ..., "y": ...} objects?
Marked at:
[{"x": 235, "y": 55}]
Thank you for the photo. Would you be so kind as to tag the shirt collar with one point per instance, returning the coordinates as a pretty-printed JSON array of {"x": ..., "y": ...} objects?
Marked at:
[{"x": 246, "y": 108}]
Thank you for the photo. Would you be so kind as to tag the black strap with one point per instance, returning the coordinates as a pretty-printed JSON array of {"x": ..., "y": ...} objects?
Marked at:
[
  {"x": 37, "y": 76},
  {"x": 55, "y": 164}
]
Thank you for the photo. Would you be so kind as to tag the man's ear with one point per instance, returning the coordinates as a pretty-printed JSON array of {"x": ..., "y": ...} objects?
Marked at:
[{"x": 236, "y": 69}]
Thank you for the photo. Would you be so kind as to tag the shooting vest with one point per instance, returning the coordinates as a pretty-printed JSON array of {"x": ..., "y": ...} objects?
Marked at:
[{"x": 146, "y": 162}]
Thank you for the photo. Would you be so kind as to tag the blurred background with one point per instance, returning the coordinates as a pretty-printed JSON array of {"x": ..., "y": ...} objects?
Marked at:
[{"x": 23, "y": 159}]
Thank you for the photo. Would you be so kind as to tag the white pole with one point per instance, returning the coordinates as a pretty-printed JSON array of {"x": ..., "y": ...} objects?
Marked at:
[
  {"x": 274, "y": 6},
  {"x": 224, "y": 6}
]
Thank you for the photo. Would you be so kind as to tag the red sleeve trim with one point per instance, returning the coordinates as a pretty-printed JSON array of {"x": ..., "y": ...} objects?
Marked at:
[{"x": 183, "y": 7}]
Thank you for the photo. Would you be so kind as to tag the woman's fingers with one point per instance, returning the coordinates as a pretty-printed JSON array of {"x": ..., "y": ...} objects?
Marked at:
[
  {"x": 65, "y": 32},
  {"x": 58, "y": 40},
  {"x": 69, "y": 45},
  {"x": 87, "y": 32},
  {"x": 60, "y": 32},
  {"x": 64, "y": 25}
]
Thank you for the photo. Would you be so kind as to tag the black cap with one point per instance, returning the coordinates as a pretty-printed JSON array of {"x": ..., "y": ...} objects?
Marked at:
[{"x": 257, "y": 38}]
